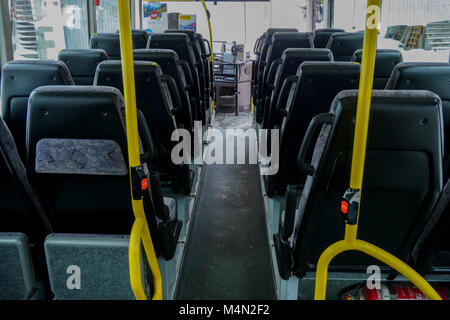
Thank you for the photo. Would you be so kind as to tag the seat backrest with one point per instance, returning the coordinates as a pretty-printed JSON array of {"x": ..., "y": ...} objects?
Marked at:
[
  {"x": 266, "y": 42},
  {"x": 170, "y": 64},
  {"x": 292, "y": 59},
  {"x": 20, "y": 207},
  {"x": 196, "y": 49},
  {"x": 82, "y": 63},
  {"x": 280, "y": 42},
  {"x": 318, "y": 84},
  {"x": 344, "y": 45},
  {"x": 434, "y": 77},
  {"x": 110, "y": 42},
  {"x": 139, "y": 38},
  {"x": 321, "y": 36},
  {"x": 180, "y": 43},
  {"x": 152, "y": 97},
  {"x": 402, "y": 178},
  {"x": 77, "y": 155},
  {"x": 385, "y": 62},
  {"x": 19, "y": 79},
  {"x": 17, "y": 276}
]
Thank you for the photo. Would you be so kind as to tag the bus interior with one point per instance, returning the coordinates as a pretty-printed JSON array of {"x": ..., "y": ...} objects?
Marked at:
[{"x": 225, "y": 150}]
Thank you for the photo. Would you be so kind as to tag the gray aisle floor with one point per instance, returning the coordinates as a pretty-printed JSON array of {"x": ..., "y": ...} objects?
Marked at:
[{"x": 228, "y": 254}]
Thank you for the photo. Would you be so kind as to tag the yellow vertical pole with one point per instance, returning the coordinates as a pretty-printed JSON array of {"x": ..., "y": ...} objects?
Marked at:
[
  {"x": 350, "y": 242},
  {"x": 140, "y": 229},
  {"x": 211, "y": 58}
]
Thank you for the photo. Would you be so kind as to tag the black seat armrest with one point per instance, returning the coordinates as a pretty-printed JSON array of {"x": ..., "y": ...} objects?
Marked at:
[{"x": 316, "y": 122}]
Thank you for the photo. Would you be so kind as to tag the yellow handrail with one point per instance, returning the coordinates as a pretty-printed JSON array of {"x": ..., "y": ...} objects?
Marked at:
[
  {"x": 140, "y": 232},
  {"x": 350, "y": 242},
  {"x": 211, "y": 57}
]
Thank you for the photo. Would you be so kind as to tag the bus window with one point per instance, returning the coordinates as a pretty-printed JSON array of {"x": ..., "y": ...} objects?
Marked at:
[
  {"x": 41, "y": 28},
  {"x": 419, "y": 29},
  {"x": 107, "y": 16}
]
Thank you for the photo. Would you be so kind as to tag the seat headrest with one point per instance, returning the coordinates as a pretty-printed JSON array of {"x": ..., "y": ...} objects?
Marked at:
[
  {"x": 324, "y": 67},
  {"x": 271, "y": 31},
  {"x": 307, "y": 54},
  {"x": 282, "y": 41},
  {"x": 190, "y": 33},
  {"x": 322, "y": 80},
  {"x": 21, "y": 77},
  {"x": 82, "y": 62},
  {"x": 407, "y": 106},
  {"x": 432, "y": 76},
  {"x": 140, "y": 38},
  {"x": 345, "y": 44},
  {"x": 110, "y": 42},
  {"x": 169, "y": 37},
  {"x": 328, "y": 30},
  {"x": 286, "y": 36},
  {"x": 385, "y": 61},
  {"x": 321, "y": 36},
  {"x": 115, "y": 67},
  {"x": 148, "y": 54},
  {"x": 75, "y": 112}
]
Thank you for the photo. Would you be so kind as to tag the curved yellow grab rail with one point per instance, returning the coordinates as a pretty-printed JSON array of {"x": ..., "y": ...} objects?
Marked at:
[
  {"x": 350, "y": 242},
  {"x": 140, "y": 232}
]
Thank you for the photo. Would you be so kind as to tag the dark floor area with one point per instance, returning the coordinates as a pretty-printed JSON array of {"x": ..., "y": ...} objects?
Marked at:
[{"x": 228, "y": 255}]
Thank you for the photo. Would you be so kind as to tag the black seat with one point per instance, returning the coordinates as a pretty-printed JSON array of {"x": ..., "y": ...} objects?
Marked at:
[
  {"x": 139, "y": 38},
  {"x": 266, "y": 41},
  {"x": 172, "y": 66},
  {"x": 321, "y": 36},
  {"x": 344, "y": 45},
  {"x": 77, "y": 154},
  {"x": 385, "y": 62},
  {"x": 317, "y": 85},
  {"x": 110, "y": 42},
  {"x": 82, "y": 63},
  {"x": 19, "y": 79},
  {"x": 180, "y": 43},
  {"x": 431, "y": 253},
  {"x": 290, "y": 62},
  {"x": 402, "y": 177},
  {"x": 21, "y": 211},
  {"x": 196, "y": 44},
  {"x": 157, "y": 97},
  {"x": 434, "y": 77},
  {"x": 208, "y": 66},
  {"x": 280, "y": 42}
]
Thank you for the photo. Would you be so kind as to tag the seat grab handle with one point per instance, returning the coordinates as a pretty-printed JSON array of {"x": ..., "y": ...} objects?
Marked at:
[
  {"x": 272, "y": 72},
  {"x": 174, "y": 94},
  {"x": 187, "y": 72},
  {"x": 285, "y": 89},
  {"x": 316, "y": 122}
]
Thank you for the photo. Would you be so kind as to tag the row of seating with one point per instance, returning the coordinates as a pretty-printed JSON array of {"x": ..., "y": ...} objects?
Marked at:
[
  {"x": 318, "y": 79},
  {"x": 405, "y": 164},
  {"x": 66, "y": 156},
  {"x": 271, "y": 45}
]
